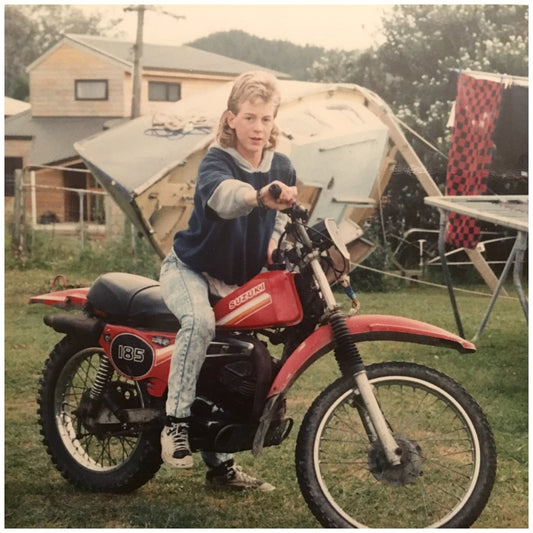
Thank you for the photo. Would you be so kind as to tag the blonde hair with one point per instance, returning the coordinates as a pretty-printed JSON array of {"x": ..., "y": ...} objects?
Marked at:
[{"x": 249, "y": 86}]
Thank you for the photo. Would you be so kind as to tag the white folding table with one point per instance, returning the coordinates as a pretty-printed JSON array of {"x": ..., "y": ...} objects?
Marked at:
[{"x": 510, "y": 212}]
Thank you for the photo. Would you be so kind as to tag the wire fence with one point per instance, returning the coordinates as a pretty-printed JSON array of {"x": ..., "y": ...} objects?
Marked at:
[{"x": 78, "y": 211}]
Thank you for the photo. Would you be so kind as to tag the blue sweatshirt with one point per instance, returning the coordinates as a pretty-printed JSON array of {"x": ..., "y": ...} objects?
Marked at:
[{"x": 230, "y": 244}]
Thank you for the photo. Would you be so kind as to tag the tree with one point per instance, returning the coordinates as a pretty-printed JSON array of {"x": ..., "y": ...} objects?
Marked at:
[
  {"x": 427, "y": 44},
  {"x": 415, "y": 71},
  {"x": 30, "y": 30},
  {"x": 424, "y": 48}
]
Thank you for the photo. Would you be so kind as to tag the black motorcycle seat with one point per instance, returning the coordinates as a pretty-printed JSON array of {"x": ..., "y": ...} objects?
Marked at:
[{"x": 132, "y": 300}]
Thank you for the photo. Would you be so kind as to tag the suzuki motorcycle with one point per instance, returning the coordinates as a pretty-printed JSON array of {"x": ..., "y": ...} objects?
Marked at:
[{"x": 391, "y": 444}]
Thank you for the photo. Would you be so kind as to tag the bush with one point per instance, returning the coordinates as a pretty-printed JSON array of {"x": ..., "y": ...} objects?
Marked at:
[{"x": 61, "y": 253}]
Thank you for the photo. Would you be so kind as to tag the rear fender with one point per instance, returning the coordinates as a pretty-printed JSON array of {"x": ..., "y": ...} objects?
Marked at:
[
  {"x": 364, "y": 328},
  {"x": 70, "y": 299}
]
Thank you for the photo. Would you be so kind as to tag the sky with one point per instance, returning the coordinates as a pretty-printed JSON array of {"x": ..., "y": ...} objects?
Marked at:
[{"x": 337, "y": 26}]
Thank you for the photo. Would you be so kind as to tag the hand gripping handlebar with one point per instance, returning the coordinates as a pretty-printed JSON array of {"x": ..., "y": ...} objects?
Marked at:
[{"x": 296, "y": 211}]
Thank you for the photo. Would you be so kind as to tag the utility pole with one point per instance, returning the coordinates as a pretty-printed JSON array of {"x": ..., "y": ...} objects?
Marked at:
[
  {"x": 138, "y": 54},
  {"x": 137, "y": 61}
]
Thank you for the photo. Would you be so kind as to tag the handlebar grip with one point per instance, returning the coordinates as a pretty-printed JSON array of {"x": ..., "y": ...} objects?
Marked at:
[
  {"x": 275, "y": 191},
  {"x": 297, "y": 210}
]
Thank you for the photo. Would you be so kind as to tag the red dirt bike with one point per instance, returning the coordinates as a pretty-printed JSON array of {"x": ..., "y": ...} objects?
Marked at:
[{"x": 391, "y": 444}]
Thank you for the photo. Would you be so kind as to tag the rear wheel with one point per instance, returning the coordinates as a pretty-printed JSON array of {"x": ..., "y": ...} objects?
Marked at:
[
  {"x": 448, "y": 462},
  {"x": 93, "y": 456}
]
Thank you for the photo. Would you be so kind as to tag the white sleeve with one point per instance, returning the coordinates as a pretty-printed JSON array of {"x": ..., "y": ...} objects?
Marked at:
[{"x": 227, "y": 200}]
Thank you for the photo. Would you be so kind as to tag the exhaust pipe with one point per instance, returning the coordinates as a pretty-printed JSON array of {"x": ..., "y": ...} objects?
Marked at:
[{"x": 84, "y": 326}]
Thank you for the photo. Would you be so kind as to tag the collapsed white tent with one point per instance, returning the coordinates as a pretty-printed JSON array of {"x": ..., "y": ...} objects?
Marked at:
[{"x": 341, "y": 138}]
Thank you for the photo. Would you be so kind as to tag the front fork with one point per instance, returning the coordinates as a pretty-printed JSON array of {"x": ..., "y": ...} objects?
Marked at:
[
  {"x": 377, "y": 421},
  {"x": 350, "y": 363}
]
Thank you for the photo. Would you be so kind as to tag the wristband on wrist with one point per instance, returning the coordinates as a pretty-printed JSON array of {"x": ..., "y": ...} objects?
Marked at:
[{"x": 260, "y": 201}]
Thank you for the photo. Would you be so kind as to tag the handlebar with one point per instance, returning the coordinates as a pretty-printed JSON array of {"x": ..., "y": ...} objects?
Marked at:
[{"x": 297, "y": 211}]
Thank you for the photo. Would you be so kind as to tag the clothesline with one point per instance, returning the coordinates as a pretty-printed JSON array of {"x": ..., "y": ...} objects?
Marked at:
[{"x": 506, "y": 79}]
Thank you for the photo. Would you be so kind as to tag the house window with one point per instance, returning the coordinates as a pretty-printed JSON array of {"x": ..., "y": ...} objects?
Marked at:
[
  {"x": 91, "y": 89},
  {"x": 159, "y": 91}
]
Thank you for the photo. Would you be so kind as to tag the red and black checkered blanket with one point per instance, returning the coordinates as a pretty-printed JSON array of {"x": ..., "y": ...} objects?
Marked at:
[{"x": 477, "y": 107}]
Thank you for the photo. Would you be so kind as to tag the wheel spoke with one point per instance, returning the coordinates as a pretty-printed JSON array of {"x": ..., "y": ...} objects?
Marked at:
[
  {"x": 440, "y": 452},
  {"x": 94, "y": 452}
]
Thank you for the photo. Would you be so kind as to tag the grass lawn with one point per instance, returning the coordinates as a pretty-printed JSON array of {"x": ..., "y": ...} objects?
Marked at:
[{"x": 36, "y": 496}]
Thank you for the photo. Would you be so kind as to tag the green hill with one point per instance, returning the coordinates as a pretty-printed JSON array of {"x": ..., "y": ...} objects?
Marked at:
[{"x": 277, "y": 55}]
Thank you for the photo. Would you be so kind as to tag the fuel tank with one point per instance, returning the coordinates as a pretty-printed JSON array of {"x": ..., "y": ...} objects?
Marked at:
[{"x": 270, "y": 299}]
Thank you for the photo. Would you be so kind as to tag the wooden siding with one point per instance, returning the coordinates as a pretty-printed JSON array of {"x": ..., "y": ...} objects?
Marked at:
[
  {"x": 48, "y": 200},
  {"x": 190, "y": 85},
  {"x": 52, "y": 85},
  {"x": 17, "y": 148}
]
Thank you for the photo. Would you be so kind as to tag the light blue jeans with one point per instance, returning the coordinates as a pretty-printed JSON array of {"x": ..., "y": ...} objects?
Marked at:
[{"x": 186, "y": 294}]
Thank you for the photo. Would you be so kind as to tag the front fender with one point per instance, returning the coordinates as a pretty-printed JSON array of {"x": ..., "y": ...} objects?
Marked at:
[{"x": 364, "y": 328}]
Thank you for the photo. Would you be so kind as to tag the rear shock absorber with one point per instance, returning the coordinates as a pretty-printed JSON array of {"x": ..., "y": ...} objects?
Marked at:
[{"x": 105, "y": 371}]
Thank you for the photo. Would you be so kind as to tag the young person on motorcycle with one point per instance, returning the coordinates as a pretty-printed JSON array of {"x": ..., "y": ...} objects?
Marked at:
[{"x": 231, "y": 234}]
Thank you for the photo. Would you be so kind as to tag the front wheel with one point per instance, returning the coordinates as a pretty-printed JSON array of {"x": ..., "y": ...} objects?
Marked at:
[{"x": 448, "y": 453}]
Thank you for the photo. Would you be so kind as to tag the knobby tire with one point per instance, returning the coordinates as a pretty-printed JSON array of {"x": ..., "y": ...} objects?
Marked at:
[
  {"x": 116, "y": 463},
  {"x": 448, "y": 478}
]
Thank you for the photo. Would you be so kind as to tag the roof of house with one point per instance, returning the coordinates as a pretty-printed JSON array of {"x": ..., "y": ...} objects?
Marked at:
[
  {"x": 160, "y": 57},
  {"x": 12, "y": 106},
  {"x": 48, "y": 148}
]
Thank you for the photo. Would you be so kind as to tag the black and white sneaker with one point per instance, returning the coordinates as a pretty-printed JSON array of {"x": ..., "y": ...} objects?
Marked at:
[
  {"x": 230, "y": 476},
  {"x": 175, "y": 449}
]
